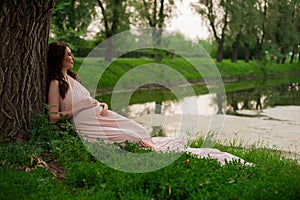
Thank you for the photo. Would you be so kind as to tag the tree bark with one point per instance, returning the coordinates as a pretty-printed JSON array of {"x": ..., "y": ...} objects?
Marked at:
[
  {"x": 220, "y": 51},
  {"x": 295, "y": 49},
  {"x": 24, "y": 30},
  {"x": 111, "y": 25},
  {"x": 292, "y": 57},
  {"x": 235, "y": 48},
  {"x": 283, "y": 56},
  {"x": 259, "y": 52},
  {"x": 235, "y": 51},
  {"x": 247, "y": 52},
  {"x": 260, "y": 41}
]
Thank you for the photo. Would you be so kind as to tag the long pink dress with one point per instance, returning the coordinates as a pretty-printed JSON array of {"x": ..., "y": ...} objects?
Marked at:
[{"x": 116, "y": 128}]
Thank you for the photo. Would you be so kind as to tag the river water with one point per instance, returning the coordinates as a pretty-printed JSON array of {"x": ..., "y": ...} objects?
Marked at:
[
  {"x": 258, "y": 96},
  {"x": 265, "y": 112},
  {"x": 262, "y": 112}
]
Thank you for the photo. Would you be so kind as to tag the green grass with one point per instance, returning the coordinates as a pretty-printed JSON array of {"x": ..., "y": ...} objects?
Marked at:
[
  {"x": 124, "y": 74},
  {"x": 272, "y": 177},
  {"x": 97, "y": 73},
  {"x": 72, "y": 172},
  {"x": 253, "y": 69}
]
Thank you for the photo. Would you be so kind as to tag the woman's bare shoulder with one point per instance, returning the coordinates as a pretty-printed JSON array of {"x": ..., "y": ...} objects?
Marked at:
[
  {"x": 53, "y": 85},
  {"x": 54, "y": 82}
]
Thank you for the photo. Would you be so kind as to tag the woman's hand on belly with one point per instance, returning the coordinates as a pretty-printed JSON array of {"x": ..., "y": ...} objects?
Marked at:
[{"x": 104, "y": 109}]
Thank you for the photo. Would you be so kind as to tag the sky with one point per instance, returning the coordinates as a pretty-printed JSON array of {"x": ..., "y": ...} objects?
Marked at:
[{"x": 187, "y": 21}]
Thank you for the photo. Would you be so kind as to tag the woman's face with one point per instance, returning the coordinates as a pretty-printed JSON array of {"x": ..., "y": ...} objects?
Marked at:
[{"x": 68, "y": 60}]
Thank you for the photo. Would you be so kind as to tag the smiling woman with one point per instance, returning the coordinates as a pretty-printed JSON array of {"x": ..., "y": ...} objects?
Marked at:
[{"x": 68, "y": 59}]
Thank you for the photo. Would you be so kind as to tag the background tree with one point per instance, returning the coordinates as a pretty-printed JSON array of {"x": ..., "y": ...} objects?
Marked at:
[
  {"x": 243, "y": 19},
  {"x": 23, "y": 39},
  {"x": 282, "y": 28},
  {"x": 295, "y": 4},
  {"x": 70, "y": 20},
  {"x": 262, "y": 6},
  {"x": 184, "y": 46},
  {"x": 115, "y": 17},
  {"x": 217, "y": 13},
  {"x": 153, "y": 13}
]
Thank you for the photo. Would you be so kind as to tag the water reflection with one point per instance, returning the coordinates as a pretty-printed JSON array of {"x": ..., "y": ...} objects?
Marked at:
[
  {"x": 160, "y": 111},
  {"x": 245, "y": 100},
  {"x": 210, "y": 104},
  {"x": 261, "y": 96},
  {"x": 205, "y": 106},
  {"x": 175, "y": 117}
]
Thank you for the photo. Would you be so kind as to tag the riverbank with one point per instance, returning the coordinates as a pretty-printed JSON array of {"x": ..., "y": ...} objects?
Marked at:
[
  {"x": 275, "y": 128},
  {"x": 264, "y": 128},
  {"x": 55, "y": 163},
  {"x": 92, "y": 70}
]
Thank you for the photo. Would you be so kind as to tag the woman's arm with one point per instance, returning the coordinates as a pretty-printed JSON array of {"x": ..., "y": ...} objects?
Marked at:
[{"x": 53, "y": 102}]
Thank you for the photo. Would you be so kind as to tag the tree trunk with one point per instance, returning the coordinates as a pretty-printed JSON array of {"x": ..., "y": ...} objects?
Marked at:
[
  {"x": 278, "y": 59},
  {"x": 259, "y": 52},
  {"x": 247, "y": 52},
  {"x": 293, "y": 54},
  {"x": 161, "y": 20},
  {"x": 23, "y": 39},
  {"x": 220, "y": 51},
  {"x": 283, "y": 59},
  {"x": 235, "y": 48},
  {"x": 110, "y": 50},
  {"x": 292, "y": 57},
  {"x": 234, "y": 102},
  {"x": 235, "y": 51},
  {"x": 157, "y": 38},
  {"x": 246, "y": 102}
]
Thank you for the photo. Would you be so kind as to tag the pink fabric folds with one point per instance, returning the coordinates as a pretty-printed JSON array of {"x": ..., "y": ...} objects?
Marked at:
[{"x": 117, "y": 128}]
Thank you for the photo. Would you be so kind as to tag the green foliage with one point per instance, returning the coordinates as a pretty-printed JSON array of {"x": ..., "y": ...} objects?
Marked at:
[
  {"x": 114, "y": 17},
  {"x": 70, "y": 20},
  {"x": 243, "y": 22},
  {"x": 282, "y": 27},
  {"x": 186, "y": 178},
  {"x": 60, "y": 140},
  {"x": 14, "y": 155},
  {"x": 254, "y": 23},
  {"x": 239, "y": 70},
  {"x": 135, "y": 148},
  {"x": 249, "y": 24},
  {"x": 151, "y": 13}
]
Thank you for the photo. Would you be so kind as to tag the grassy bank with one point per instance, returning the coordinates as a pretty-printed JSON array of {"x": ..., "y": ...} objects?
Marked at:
[
  {"x": 236, "y": 76},
  {"x": 92, "y": 69},
  {"x": 54, "y": 164}
]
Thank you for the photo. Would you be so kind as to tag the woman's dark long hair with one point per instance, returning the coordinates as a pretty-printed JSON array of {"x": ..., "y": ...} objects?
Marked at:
[{"x": 55, "y": 56}]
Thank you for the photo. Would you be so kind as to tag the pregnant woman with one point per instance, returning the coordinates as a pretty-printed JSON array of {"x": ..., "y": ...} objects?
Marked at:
[{"x": 69, "y": 99}]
